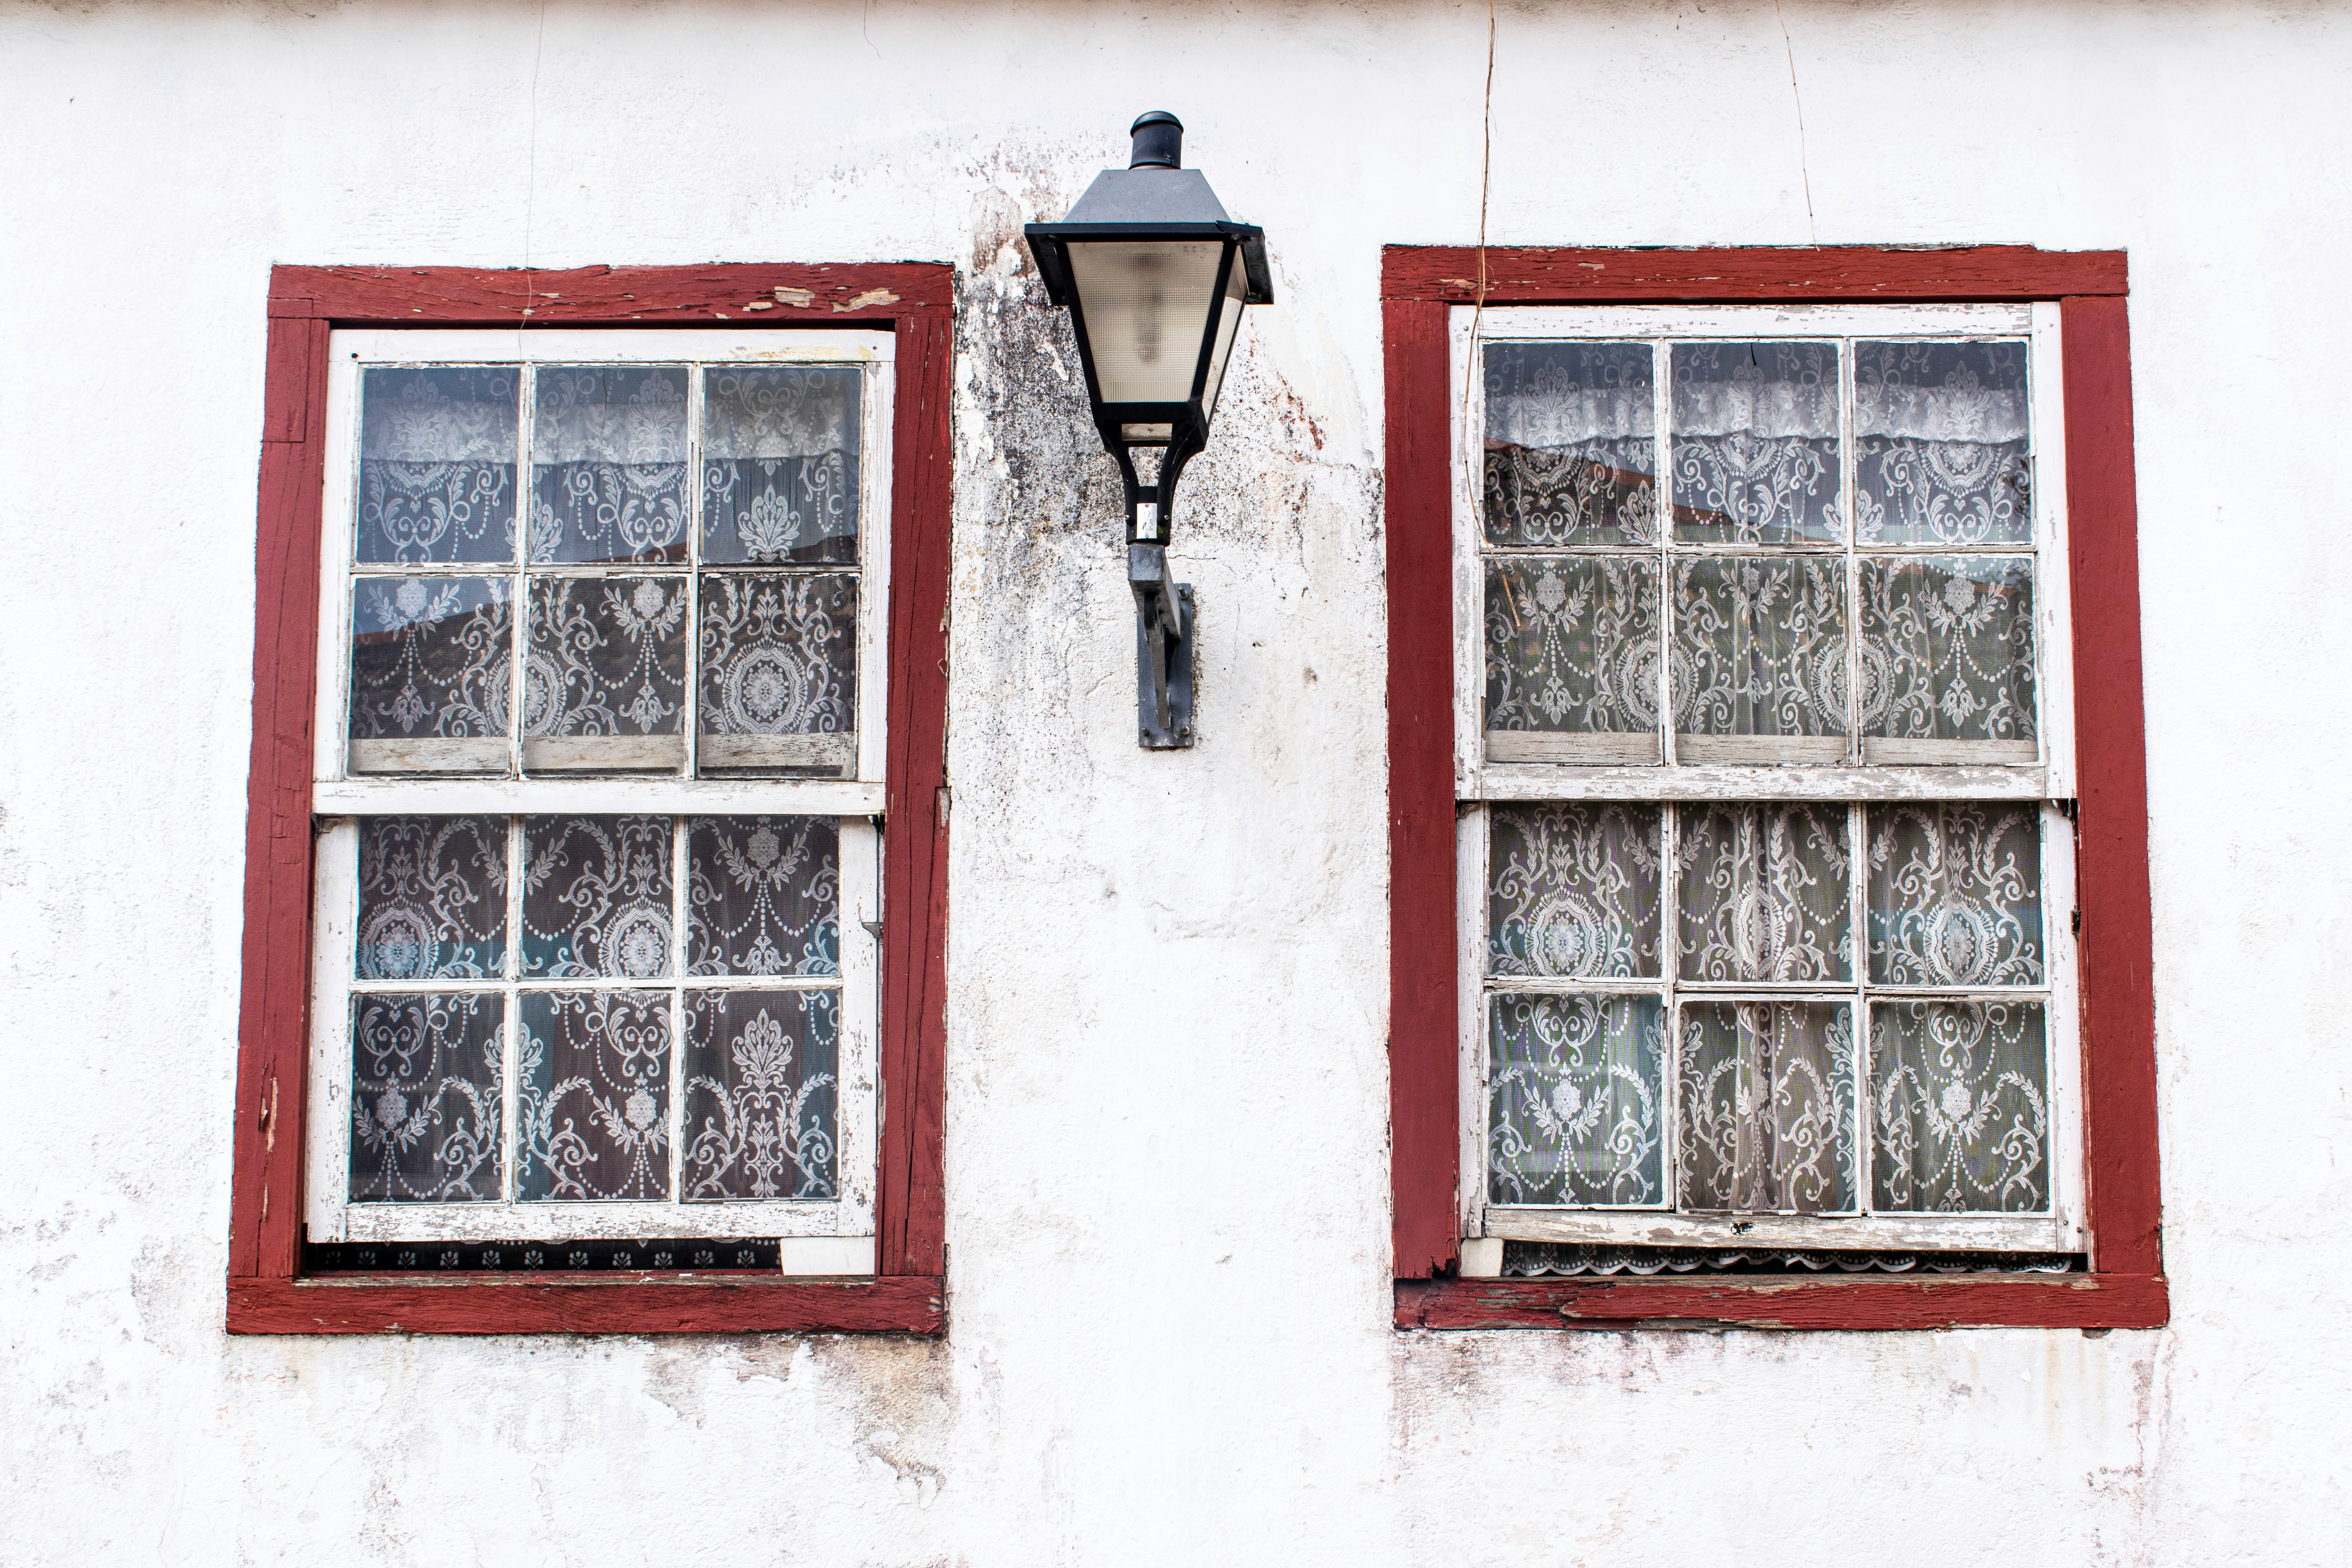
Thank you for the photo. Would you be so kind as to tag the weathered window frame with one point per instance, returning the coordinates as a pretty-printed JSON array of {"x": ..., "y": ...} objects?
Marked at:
[
  {"x": 266, "y": 1293},
  {"x": 1432, "y": 765}
]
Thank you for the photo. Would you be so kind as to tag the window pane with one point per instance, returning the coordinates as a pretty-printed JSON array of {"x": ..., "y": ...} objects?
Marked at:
[
  {"x": 1768, "y": 1107},
  {"x": 763, "y": 895},
  {"x": 1955, "y": 895},
  {"x": 1756, "y": 442},
  {"x": 1572, "y": 651},
  {"x": 1947, "y": 656},
  {"x": 1760, "y": 659},
  {"x": 431, "y": 668},
  {"x": 437, "y": 465},
  {"x": 426, "y": 1083},
  {"x": 1572, "y": 890},
  {"x": 780, "y": 464},
  {"x": 433, "y": 897},
  {"x": 1959, "y": 1096},
  {"x": 1764, "y": 893},
  {"x": 608, "y": 463},
  {"x": 596, "y": 898},
  {"x": 1940, "y": 453},
  {"x": 594, "y": 1108},
  {"x": 604, "y": 681},
  {"x": 1571, "y": 453},
  {"x": 1576, "y": 1100},
  {"x": 761, "y": 1093},
  {"x": 779, "y": 671}
]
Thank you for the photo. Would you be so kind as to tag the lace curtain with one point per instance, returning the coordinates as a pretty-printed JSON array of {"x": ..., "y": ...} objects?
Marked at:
[
  {"x": 1756, "y": 442},
  {"x": 780, "y": 464},
  {"x": 1571, "y": 453},
  {"x": 1940, "y": 443},
  {"x": 591, "y": 975},
  {"x": 1776, "y": 1109},
  {"x": 437, "y": 465},
  {"x": 608, "y": 463}
]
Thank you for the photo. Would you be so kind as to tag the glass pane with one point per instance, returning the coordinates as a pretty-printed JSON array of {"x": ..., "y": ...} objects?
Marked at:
[
  {"x": 433, "y": 897},
  {"x": 431, "y": 664},
  {"x": 761, "y": 1094},
  {"x": 426, "y": 1081},
  {"x": 1955, "y": 894},
  {"x": 608, "y": 463},
  {"x": 1764, "y": 893},
  {"x": 1575, "y": 1102},
  {"x": 1947, "y": 648},
  {"x": 1147, "y": 309},
  {"x": 606, "y": 664},
  {"x": 1572, "y": 448},
  {"x": 1960, "y": 1104},
  {"x": 1756, "y": 442},
  {"x": 1940, "y": 454},
  {"x": 437, "y": 465},
  {"x": 592, "y": 1074},
  {"x": 779, "y": 671},
  {"x": 1572, "y": 645},
  {"x": 1761, "y": 649},
  {"x": 1572, "y": 890},
  {"x": 1768, "y": 1107},
  {"x": 763, "y": 895},
  {"x": 780, "y": 464},
  {"x": 596, "y": 898}
]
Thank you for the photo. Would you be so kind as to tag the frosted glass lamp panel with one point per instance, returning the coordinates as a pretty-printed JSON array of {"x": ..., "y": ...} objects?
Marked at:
[
  {"x": 1955, "y": 894},
  {"x": 762, "y": 1095},
  {"x": 1572, "y": 445},
  {"x": 437, "y": 465},
  {"x": 433, "y": 897},
  {"x": 1576, "y": 1102},
  {"x": 432, "y": 668},
  {"x": 1759, "y": 658},
  {"x": 592, "y": 1107},
  {"x": 596, "y": 898},
  {"x": 1572, "y": 890},
  {"x": 1940, "y": 444},
  {"x": 1229, "y": 323},
  {"x": 609, "y": 465},
  {"x": 779, "y": 686},
  {"x": 427, "y": 1080},
  {"x": 604, "y": 674},
  {"x": 1146, "y": 306},
  {"x": 1959, "y": 1107},
  {"x": 1571, "y": 650},
  {"x": 763, "y": 896},
  {"x": 1765, "y": 894},
  {"x": 779, "y": 455},
  {"x": 1948, "y": 653},
  {"x": 1767, "y": 1103},
  {"x": 1756, "y": 442}
]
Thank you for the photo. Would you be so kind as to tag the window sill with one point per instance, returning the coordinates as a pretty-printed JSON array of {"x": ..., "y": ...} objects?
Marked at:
[
  {"x": 1946, "y": 1301},
  {"x": 424, "y": 1304}
]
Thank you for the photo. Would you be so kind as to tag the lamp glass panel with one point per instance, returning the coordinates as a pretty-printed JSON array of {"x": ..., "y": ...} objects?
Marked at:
[
  {"x": 1229, "y": 320},
  {"x": 1147, "y": 305}
]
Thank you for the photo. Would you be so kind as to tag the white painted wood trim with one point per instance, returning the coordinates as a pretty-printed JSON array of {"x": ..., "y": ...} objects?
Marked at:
[
  {"x": 1467, "y": 468},
  {"x": 609, "y": 345},
  {"x": 1501, "y": 323},
  {"x": 573, "y": 796},
  {"x": 719, "y": 752},
  {"x": 1470, "y": 839},
  {"x": 603, "y": 754},
  {"x": 326, "y": 1115},
  {"x": 874, "y": 524},
  {"x": 2062, "y": 1031},
  {"x": 1760, "y": 750},
  {"x": 2054, "y": 595},
  {"x": 1989, "y": 1233},
  {"x": 1724, "y": 782}
]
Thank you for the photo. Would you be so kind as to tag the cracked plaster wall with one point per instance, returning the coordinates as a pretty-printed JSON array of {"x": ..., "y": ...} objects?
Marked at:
[{"x": 1166, "y": 1087}]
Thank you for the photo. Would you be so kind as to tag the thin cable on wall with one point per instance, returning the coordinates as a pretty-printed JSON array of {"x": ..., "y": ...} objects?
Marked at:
[
  {"x": 530, "y": 178},
  {"x": 1485, "y": 183},
  {"x": 1803, "y": 173}
]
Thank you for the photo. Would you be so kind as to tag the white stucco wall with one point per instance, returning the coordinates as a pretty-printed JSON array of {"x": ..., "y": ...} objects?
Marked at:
[{"x": 1166, "y": 1086}]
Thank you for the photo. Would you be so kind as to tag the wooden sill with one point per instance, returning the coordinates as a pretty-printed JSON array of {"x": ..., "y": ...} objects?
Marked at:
[
  {"x": 414, "y": 1304},
  {"x": 1777, "y": 1302}
]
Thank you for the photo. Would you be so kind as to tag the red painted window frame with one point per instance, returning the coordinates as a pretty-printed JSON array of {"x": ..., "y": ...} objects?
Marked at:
[
  {"x": 267, "y": 1294},
  {"x": 2126, "y": 1288}
]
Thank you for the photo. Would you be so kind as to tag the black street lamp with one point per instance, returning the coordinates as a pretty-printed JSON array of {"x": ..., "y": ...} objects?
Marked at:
[{"x": 1155, "y": 277}]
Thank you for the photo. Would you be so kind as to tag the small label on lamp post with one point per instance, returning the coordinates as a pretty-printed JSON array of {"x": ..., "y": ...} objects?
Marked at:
[{"x": 1147, "y": 521}]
